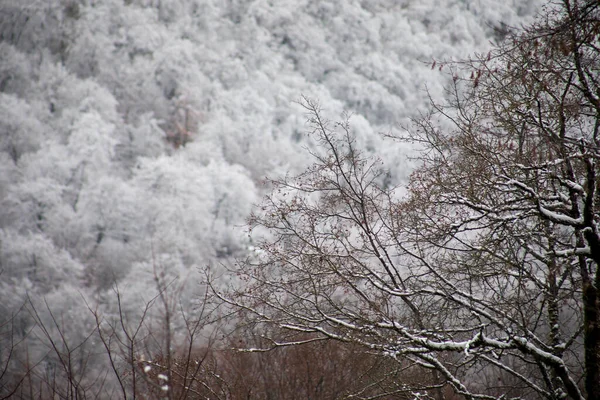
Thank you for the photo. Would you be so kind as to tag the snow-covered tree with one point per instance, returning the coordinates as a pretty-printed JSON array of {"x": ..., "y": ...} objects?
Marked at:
[
  {"x": 486, "y": 272},
  {"x": 134, "y": 134}
]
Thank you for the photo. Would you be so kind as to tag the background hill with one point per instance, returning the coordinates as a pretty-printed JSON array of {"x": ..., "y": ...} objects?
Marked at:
[{"x": 135, "y": 134}]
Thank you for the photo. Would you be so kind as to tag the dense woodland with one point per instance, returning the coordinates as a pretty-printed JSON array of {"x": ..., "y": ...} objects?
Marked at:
[{"x": 438, "y": 241}]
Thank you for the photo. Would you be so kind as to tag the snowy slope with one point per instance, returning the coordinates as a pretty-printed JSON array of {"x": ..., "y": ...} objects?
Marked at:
[{"x": 137, "y": 132}]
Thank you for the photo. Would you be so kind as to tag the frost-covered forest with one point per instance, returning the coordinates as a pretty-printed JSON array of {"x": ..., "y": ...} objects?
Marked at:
[{"x": 135, "y": 136}]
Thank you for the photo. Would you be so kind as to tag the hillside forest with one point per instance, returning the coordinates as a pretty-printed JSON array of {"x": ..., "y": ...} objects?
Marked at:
[{"x": 299, "y": 199}]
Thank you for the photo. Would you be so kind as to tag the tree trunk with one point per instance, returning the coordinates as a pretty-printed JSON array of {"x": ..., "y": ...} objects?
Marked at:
[{"x": 591, "y": 339}]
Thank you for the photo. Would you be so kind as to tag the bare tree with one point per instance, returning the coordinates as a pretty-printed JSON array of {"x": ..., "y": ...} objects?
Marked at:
[
  {"x": 486, "y": 272},
  {"x": 159, "y": 351},
  {"x": 257, "y": 368}
]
